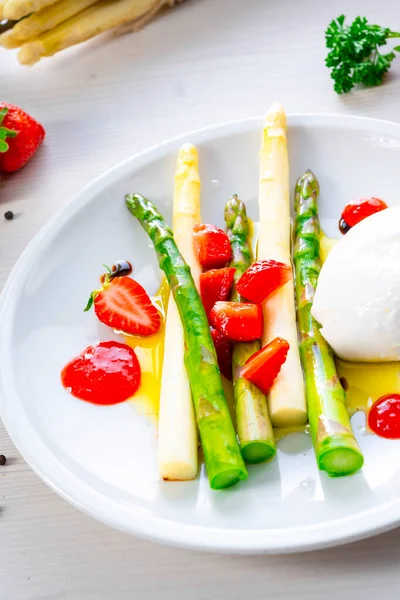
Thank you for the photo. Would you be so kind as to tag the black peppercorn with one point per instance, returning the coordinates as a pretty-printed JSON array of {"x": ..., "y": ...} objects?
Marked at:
[
  {"x": 3, "y": 460},
  {"x": 9, "y": 215}
]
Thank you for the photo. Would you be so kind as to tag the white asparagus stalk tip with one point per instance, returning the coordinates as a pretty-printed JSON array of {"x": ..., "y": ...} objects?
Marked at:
[
  {"x": 139, "y": 22},
  {"x": 16, "y": 9},
  {"x": 287, "y": 402},
  {"x": 177, "y": 432},
  {"x": 101, "y": 17},
  {"x": 49, "y": 17},
  {"x": 8, "y": 40}
]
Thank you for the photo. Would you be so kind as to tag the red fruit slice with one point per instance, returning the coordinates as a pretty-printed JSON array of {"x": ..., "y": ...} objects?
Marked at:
[
  {"x": 106, "y": 373},
  {"x": 360, "y": 209},
  {"x": 124, "y": 305},
  {"x": 238, "y": 321},
  {"x": 223, "y": 348},
  {"x": 264, "y": 365},
  {"x": 263, "y": 278},
  {"x": 384, "y": 416},
  {"x": 212, "y": 246},
  {"x": 215, "y": 285}
]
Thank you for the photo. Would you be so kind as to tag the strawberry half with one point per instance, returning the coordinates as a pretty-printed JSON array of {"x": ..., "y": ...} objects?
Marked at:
[
  {"x": 238, "y": 321},
  {"x": 223, "y": 348},
  {"x": 263, "y": 278},
  {"x": 360, "y": 209},
  {"x": 263, "y": 367},
  {"x": 215, "y": 285},
  {"x": 212, "y": 246},
  {"x": 20, "y": 137},
  {"x": 124, "y": 305}
]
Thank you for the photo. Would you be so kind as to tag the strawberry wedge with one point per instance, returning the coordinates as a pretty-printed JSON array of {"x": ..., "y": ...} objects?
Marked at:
[
  {"x": 263, "y": 367},
  {"x": 124, "y": 305},
  {"x": 262, "y": 278},
  {"x": 238, "y": 321},
  {"x": 215, "y": 285},
  {"x": 212, "y": 246},
  {"x": 223, "y": 348}
]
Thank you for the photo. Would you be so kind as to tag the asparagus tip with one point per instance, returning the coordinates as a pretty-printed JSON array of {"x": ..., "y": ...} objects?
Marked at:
[
  {"x": 8, "y": 40},
  {"x": 307, "y": 185},
  {"x": 235, "y": 215},
  {"x": 275, "y": 116},
  {"x": 188, "y": 160},
  {"x": 188, "y": 148},
  {"x": 30, "y": 53}
]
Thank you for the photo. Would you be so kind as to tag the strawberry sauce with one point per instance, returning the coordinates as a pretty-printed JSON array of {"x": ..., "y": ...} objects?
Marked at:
[
  {"x": 384, "y": 416},
  {"x": 106, "y": 373}
]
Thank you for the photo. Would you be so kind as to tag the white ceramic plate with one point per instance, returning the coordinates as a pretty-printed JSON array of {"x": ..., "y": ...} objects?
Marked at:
[{"x": 102, "y": 459}]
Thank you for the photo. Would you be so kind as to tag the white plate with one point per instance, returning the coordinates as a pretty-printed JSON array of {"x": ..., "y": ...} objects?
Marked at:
[{"x": 102, "y": 459}]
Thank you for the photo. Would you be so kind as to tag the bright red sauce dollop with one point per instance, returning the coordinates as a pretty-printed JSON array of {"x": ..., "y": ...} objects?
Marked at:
[
  {"x": 106, "y": 373},
  {"x": 384, "y": 416}
]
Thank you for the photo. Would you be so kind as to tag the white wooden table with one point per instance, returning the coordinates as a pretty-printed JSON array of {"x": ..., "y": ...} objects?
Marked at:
[{"x": 206, "y": 62}]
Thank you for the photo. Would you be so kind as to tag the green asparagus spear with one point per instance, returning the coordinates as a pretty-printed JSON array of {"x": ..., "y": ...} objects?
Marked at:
[
  {"x": 222, "y": 456},
  {"x": 253, "y": 425},
  {"x": 335, "y": 446}
]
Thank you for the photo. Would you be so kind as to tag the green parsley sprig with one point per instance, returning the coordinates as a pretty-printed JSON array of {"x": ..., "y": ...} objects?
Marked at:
[{"x": 354, "y": 55}]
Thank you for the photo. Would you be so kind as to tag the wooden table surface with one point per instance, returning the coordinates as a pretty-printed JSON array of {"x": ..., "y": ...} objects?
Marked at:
[{"x": 207, "y": 61}]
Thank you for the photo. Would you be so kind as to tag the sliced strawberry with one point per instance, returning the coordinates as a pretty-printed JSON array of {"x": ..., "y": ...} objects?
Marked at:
[
  {"x": 212, "y": 246},
  {"x": 263, "y": 278},
  {"x": 238, "y": 321},
  {"x": 262, "y": 368},
  {"x": 360, "y": 209},
  {"x": 223, "y": 348},
  {"x": 124, "y": 305},
  {"x": 215, "y": 285}
]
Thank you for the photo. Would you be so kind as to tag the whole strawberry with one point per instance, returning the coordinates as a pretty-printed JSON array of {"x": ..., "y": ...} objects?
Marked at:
[{"x": 20, "y": 137}]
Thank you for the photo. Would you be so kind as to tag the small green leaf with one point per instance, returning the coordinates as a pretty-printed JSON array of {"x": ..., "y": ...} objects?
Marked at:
[
  {"x": 397, "y": 48},
  {"x": 3, "y": 113},
  {"x": 107, "y": 268},
  {"x": 90, "y": 302},
  {"x": 7, "y": 133}
]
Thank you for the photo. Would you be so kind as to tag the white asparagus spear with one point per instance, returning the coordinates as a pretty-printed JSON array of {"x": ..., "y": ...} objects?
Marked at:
[
  {"x": 16, "y": 9},
  {"x": 49, "y": 17},
  {"x": 101, "y": 17},
  {"x": 8, "y": 40},
  {"x": 287, "y": 403},
  {"x": 177, "y": 432},
  {"x": 139, "y": 22}
]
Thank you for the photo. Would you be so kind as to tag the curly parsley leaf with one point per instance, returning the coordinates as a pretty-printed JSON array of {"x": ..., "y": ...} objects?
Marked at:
[{"x": 354, "y": 56}]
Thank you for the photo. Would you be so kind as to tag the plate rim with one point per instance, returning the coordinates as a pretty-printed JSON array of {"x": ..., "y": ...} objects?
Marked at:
[{"x": 248, "y": 541}]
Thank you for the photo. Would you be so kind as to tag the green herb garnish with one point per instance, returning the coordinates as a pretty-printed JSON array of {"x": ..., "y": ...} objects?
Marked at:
[{"x": 354, "y": 55}]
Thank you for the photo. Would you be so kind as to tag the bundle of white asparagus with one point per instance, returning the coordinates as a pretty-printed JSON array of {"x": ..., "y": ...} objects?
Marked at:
[{"x": 43, "y": 27}]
